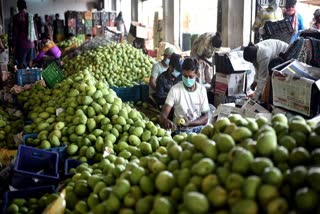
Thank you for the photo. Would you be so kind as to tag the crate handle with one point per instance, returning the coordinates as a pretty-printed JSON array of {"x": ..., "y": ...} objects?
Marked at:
[{"x": 37, "y": 155}]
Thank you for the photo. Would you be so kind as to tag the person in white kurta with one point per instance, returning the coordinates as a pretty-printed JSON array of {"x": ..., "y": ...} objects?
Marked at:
[
  {"x": 260, "y": 55},
  {"x": 188, "y": 99}
]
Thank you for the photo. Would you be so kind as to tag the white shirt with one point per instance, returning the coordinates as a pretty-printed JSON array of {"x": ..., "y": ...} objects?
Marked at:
[
  {"x": 157, "y": 69},
  {"x": 267, "y": 50},
  {"x": 188, "y": 104}
]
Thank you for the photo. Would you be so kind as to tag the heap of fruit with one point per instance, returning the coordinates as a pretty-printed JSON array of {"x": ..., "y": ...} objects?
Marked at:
[
  {"x": 234, "y": 166},
  {"x": 147, "y": 110},
  {"x": 117, "y": 64},
  {"x": 31, "y": 205},
  {"x": 9, "y": 126},
  {"x": 94, "y": 44},
  {"x": 93, "y": 118},
  {"x": 78, "y": 40}
]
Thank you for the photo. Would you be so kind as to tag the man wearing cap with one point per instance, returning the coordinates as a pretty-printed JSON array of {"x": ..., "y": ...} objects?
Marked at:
[
  {"x": 158, "y": 69},
  {"x": 168, "y": 79}
]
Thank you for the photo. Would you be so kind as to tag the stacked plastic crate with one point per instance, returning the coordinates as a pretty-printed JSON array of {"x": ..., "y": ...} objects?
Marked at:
[
  {"x": 88, "y": 23},
  {"x": 98, "y": 29},
  {"x": 71, "y": 19}
]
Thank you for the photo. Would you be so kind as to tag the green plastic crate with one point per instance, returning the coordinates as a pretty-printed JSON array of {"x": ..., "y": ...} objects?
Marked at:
[{"x": 53, "y": 74}]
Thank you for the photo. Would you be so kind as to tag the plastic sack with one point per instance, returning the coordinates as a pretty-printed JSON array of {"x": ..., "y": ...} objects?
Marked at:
[
  {"x": 163, "y": 46},
  {"x": 58, "y": 206},
  {"x": 6, "y": 156}
]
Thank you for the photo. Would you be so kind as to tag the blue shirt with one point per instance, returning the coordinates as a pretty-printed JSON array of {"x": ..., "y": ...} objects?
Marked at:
[{"x": 299, "y": 27}]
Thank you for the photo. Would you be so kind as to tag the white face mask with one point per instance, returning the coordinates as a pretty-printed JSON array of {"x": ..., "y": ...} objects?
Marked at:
[
  {"x": 167, "y": 61},
  {"x": 175, "y": 73}
]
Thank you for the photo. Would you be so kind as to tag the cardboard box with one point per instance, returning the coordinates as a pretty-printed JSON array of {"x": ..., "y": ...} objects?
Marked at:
[
  {"x": 249, "y": 109},
  {"x": 138, "y": 30},
  {"x": 4, "y": 57},
  {"x": 228, "y": 88},
  {"x": 254, "y": 110},
  {"x": 231, "y": 62},
  {"x": 296, "y": 87},
  {"x": 231, "y": 85}
]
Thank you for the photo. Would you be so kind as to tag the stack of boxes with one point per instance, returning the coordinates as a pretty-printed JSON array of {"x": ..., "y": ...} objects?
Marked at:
[
  {"x": 88, "y": 22},
  {"x": 59, "y": 30},
  {"x": 231, "y": 83},
  {"x": 104, "y": 19},
  {"x": 80, "y": 23},
  {"x": 97, "y": 27},
  {"x": 71, "y": 22},
  {"x": 112, "y": 19}
]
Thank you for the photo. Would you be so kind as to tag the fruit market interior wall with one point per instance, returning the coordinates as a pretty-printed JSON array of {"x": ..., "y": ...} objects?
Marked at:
[{"x": 50, "y": 7}]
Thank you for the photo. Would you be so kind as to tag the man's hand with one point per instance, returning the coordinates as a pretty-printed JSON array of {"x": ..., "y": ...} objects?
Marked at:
[
  {"x": 253, "y": 86},
  {"x": 168, "y": 124},
  {"x": 186, "y": 124}
]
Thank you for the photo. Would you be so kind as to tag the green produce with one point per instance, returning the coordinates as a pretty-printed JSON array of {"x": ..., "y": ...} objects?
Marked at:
[
  {"x": 236, "y": 165},
  {"x": 117, "y": 64},
  {"x": 68, "y": 43},
  {"x": 10, "y": 124},
  {"x": 90, "y": 130},
  {"x": 30, "y": 205},
  {"x": 183, "y": 178}
]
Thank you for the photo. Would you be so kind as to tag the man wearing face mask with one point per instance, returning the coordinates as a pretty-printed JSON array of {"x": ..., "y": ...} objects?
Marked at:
[
  {"x": 159, "y": 68},
  {"x": 272, "y": 13},
  {"x": 189, "y": 100},
  {"x": 168, "y": 78},
  {"x": 294, "y": 17}
]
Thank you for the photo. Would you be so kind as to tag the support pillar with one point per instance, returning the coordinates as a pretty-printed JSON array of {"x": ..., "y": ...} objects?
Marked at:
[
  {"x": 136, "y": 9},
  {"x": 235, "y": 29},
  {"x": 171, "y": 21}
]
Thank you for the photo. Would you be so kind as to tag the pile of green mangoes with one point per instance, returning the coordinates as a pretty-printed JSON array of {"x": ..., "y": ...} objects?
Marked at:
[
  {"x": 10, "y": 125},
  {"x": 31, "y": 205},
  {"x": 237, "y": 165},
  {"x": 93, "y": 120},
  {"x": 117, "y": 64},
  {"x": 69, "y": 42}
]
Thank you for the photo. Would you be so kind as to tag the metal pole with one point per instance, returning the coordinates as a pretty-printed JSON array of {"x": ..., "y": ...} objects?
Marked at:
[{"x": 251, "y": 14}]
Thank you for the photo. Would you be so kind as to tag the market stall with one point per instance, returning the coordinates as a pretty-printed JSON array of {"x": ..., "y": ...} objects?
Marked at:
[{"x": 79, "y": 136}]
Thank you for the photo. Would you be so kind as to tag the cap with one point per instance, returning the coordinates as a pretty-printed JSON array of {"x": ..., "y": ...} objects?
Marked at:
[{"x": 168, "y": 51}]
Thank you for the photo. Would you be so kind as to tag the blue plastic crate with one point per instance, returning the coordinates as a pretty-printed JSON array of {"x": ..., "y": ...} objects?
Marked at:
[
  {"x": 144, "y": 93},
  {"x": 61, "y": 150},
  {"x": 69, "y": 164},
  {"x": 27, "y": 122},
  {"x": 128, "y": 94},
  {"x": 35, "y": 192},
  {"x": 28, "y": 76},
  {"x": 27, "y": 136},
  {"x": 35, "y": 167}
]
